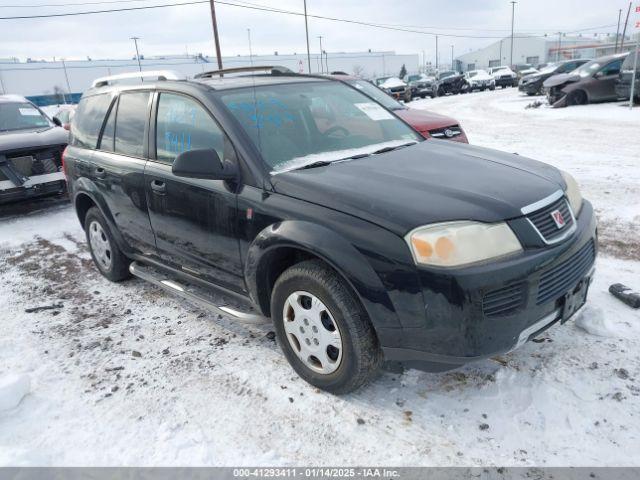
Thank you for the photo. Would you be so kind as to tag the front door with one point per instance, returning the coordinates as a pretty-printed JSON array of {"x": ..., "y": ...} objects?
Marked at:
[
  {"x": 194, "y": 220},
  {"x": 604, "y": 83}
]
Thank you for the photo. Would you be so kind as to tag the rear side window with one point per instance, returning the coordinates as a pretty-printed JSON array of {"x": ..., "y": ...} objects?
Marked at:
[
  {"x": 133, "y": 111},
  {"x": 182, "y": 125},
  {"x": 88, "y": 120}
]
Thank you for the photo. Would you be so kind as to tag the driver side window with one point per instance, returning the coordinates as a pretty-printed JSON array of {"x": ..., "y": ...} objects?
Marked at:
[
  {"x": 183, "y": 124},
  {"x": 612, "y": 68}
]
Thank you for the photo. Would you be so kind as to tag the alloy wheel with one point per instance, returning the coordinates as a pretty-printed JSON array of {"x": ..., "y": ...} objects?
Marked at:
[{"x": 100, "y": 245}]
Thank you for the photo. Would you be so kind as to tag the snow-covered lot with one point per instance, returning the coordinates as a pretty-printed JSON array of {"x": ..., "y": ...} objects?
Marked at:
[{"x": 124, "y": 375}]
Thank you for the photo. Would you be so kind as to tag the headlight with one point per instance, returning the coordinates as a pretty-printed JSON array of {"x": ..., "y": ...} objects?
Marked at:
[
  {"x": 454, "y": 244},
  {"x": 572, "y": 192}
]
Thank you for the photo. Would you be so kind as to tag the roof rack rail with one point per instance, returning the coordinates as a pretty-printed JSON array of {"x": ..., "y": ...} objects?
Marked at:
[
  {"x": 272, "y": 69},
  {"x": 157, "y": 74}
]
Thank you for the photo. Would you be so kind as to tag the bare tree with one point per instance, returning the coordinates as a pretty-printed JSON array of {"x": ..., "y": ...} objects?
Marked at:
[{"x": 358, "y": 71}]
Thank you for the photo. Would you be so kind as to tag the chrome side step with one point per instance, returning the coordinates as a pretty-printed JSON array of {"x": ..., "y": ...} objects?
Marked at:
[{"x": 193, "y": 294}]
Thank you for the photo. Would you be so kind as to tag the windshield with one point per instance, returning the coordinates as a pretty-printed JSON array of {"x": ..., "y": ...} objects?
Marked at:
[
  {"x": 293, "y": 125},
  {"x": 414, "y": 78},
  {"x": 21, "y": 116},
  {"x": 446, "y": 74},
  {"x": 380, "y": 81},
  {"x": 588, "y": 68},
  {"x": 377, "y": 94},
  {"x": 549, "y": 68}
]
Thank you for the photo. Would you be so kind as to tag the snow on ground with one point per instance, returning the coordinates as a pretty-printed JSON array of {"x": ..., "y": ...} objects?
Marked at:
[{"x": 121, "y": 374}]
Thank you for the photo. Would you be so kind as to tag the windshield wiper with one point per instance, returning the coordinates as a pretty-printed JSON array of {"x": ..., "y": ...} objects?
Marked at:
[
  {"x": 319, "y": 163},
  {"x": 389, "y": 149}
]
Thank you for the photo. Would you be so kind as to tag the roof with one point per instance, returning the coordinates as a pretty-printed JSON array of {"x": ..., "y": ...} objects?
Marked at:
[{"x": 229, "y": 82}]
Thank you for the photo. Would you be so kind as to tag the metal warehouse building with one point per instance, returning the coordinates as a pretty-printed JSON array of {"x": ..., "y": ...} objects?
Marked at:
[
  {"x": 70, "y": 78},
  {"x": 536, "y": 50}
]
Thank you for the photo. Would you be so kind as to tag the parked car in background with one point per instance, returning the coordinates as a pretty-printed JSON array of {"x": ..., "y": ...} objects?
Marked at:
[
  {"x": 449, "y": 82},
  {"x": 320, "y": 212},
  {"x": 523, "y": 69},
  {"x": 532, "y": 84},
  {"x": 595, "y": 81},
  {"x": 395, "y": 87},
  {"x": 479, "y": 80},
  {"x": 421, "y": 85},
  {"x": 504, "y": 76},
  {"x": 429, "y": 124},
  {"x": 65, "y": 114},
  {"x": 31, "y": 147},
  {"x": 623, "y": 84}
]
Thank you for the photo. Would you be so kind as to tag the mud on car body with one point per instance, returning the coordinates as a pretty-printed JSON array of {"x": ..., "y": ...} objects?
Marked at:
[
  {"x": 31, "y": 148},
  {"x": 312, "y": 205}
]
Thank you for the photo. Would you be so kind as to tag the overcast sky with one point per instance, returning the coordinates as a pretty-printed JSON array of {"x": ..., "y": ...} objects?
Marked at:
[{"x": 175, "y": 30}]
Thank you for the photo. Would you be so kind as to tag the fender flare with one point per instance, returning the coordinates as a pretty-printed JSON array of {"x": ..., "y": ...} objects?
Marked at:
[
  {"x": 85, "y": 187},
  {"x": 330, "y": 247}
]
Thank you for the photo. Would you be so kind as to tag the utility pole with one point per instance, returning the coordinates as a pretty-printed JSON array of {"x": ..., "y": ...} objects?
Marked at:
[
  {"x": 215, "y": 34},
  {"x": 635, "y": 72},
  {"x": 452, "y": 67},
  {"x": 501, "y": 52},
  {"x": 2, "y": 90},
  {"x": 559, "y": 46},
  {"x": 321, "y": 65},
  {"x": 436, "y": 53},
  {"x": 64, "y": 67},
  {"x": 513, "y": 12},
  {"x": 326, "y": 60},
  {"x": 624, "y": 31},
  {"x": 250, "y": 51},
  {"x": 618, "y": 30},
  {"x": 135, "y": 40},
  {"x": 306, "y": 28}
]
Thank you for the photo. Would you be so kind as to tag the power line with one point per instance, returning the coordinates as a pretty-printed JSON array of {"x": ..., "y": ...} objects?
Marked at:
[{"x": 252, "y": 6}]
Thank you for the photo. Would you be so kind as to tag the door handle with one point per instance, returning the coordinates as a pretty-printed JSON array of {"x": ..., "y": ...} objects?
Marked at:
[
  {"x": 100, "y": 172},
  {"x": 158, "y": 187}
]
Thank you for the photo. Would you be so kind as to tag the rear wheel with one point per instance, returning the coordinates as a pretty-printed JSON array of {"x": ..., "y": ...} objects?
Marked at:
[
  {"x": 106, "y": 254},
  {"x": 322, "y": 328}
]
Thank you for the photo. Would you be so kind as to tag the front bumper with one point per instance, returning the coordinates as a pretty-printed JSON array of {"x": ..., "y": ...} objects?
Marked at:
[
  {"x": 506, "y": 81},
  {"x": 36, "y": 186},
  {"x": 456, "y": 328},
  {"x": 530, "y": 87}
]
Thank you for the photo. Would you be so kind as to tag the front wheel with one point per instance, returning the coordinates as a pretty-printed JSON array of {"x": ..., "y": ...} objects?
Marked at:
[
  {"x": 322, "y": 328},
  {"x": 106, "y": 254}
]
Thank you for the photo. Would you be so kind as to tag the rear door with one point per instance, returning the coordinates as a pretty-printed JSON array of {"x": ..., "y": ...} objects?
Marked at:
[
  {"x": 118, "y": 167},
  {"x": 194, "y": 220}
]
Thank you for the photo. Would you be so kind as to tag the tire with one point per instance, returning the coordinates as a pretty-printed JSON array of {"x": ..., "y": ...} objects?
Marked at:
[
  {"x": 492, "y": 88},
  {"x": 106, "y": 254},
  {"x": 333, "y": 310},
  {"x": 577, "y": 97}
]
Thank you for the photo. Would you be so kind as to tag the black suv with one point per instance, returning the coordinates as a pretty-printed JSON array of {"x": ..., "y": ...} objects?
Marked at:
[{"x": 308, "y": 203}]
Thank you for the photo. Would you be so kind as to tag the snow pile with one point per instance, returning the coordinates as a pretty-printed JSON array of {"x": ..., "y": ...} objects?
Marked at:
[
  {"x": 592, "y": 320},
  {"x": 13, "y": 388}
]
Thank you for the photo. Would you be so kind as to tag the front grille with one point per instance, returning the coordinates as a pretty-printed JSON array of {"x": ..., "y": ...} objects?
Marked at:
[
  {"x": 560, "y": 279},
  {"x": 543, "y": 220},
  {"x": 35, "y": 162},
  {"x": 446, "y": 132},
  {"x": 503, "y": 301}
]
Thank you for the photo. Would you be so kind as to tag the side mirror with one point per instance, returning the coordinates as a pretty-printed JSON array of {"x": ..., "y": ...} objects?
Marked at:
[
  {"x": 204, "y": 164},
  {"x": 57, "y": 121}
]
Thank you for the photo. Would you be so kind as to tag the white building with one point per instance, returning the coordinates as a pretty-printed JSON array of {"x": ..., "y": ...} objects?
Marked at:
[
  {"x": 49, "y": 78},
  {"x": 534, "y": 50}
]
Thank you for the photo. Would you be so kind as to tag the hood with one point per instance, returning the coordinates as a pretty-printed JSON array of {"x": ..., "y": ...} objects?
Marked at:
[
  {"x": 481, "y": 76},
  {"x": 33, "y": 138},
  {"x": 561, "y": 78},
  {"x": 425, "y": 183},
  {"x": 423, "y": 120},
  {"x": 392, "y": 83}
]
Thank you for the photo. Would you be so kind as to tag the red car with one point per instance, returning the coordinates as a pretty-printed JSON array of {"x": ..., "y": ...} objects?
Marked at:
[{"x": 429, "y": 124}]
